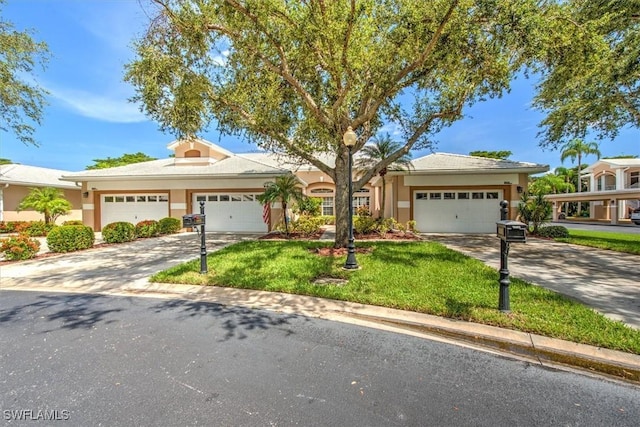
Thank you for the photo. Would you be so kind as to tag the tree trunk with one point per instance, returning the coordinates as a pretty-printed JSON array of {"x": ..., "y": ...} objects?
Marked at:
[
  {"x": 286, "y": 223},
  {"x": 342, "y": 199},
  {"x": 384, "y": 195}
]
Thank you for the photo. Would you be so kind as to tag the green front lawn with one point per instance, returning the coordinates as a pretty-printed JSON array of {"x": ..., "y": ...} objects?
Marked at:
[
  {"x": 424, "y": 277},
  {"x": 629, "y": 243}
]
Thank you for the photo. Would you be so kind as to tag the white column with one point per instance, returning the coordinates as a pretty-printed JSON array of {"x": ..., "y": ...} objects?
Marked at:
[{"x": 620, "y": 184}]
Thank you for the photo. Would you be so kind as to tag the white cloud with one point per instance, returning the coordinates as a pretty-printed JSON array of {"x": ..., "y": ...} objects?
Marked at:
[{"x": 115, "y": 110}]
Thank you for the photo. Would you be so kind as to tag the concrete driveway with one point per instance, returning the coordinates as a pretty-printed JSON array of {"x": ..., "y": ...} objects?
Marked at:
[
  {"x": 111, "y": 267},
  {"x": 605, "y": 280}
]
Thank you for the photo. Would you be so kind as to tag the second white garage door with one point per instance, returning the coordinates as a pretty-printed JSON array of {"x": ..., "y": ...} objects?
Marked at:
[
  {"x": 231, "y": 212},
  {"x": 457, "y": 211},
  {"x": 133, "y": 208}
]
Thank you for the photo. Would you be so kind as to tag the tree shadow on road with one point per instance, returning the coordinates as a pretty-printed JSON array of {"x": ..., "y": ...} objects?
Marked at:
[
  {"x": 73, "y": 311},
  {"x": 234, "y": 320}
]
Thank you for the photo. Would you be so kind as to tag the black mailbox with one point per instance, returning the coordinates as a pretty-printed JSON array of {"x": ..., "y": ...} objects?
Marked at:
[
  {"x": 512, "y": 231},
  {"x": 192, "y": 220}
]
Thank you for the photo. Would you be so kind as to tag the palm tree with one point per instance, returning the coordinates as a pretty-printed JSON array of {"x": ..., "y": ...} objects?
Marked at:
[
  {"x": 569, "y": 176},
  {"x": 48, "y": 201},
  {"x": 576, "y": 148},
  {"x": 382, "y": 148},
  {"x": 283, "y": 190}
]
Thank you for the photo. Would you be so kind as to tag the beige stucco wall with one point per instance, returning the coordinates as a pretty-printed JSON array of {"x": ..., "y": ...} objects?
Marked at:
[{"x": 13, "y": 195}]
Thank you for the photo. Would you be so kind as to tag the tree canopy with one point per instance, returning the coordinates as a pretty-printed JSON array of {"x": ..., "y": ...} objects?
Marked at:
[
  {"x": 500, "y": 155},
  {"x": 20, "y": 98},
  {"x": 591, "y": 75},
  {"x": 292, "y": 76},
  {"x": 125, "y": 159}
]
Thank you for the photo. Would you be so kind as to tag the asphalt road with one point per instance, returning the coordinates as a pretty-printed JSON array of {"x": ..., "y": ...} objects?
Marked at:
[{"x": 121, "y": 361}]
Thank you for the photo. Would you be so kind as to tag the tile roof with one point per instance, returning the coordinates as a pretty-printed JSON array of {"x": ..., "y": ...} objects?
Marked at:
[
  {"x": 446, "y": 162},
  {"x": 163, "y": 168},
  {"x": 33, "y": 176}
]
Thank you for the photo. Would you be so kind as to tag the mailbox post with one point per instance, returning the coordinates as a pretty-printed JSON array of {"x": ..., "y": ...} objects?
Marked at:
[
  {"x": 193, "y": 221},
  {"x": 508, "y": 232}
]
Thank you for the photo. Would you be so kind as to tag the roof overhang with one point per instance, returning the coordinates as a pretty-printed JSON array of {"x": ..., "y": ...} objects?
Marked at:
[{"x": 627, "y": 194}]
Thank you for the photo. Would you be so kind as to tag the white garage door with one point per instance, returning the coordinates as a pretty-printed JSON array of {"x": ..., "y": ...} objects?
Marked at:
[
  {"x": 133, "y": 208},
  {"x": 457, "y": 211},
  {"x": 231, "y": 212}
]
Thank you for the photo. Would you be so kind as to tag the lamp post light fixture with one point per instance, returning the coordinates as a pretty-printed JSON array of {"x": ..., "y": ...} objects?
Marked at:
[{"x": 349, "y": 138}]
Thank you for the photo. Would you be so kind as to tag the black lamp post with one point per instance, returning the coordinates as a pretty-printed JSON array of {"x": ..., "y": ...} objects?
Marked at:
[
  {"x": 203, "y": 244},
  {"x": 503, "y": 301},
  {"x": 349, "y": 138}
]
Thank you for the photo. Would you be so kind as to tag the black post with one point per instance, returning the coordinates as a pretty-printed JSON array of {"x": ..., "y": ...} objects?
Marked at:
[
  {"x": 351, "y": 263},
  {"x": 203, "y": 245},
  {"x": 503, "y": 303}
]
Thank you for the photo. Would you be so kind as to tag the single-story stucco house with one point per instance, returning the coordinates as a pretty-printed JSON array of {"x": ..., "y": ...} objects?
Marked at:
[
  {"x": 442, "y": 193},
  {"x": 17, "y": 180}
]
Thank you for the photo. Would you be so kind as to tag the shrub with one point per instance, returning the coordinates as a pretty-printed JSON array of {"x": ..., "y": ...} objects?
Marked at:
[
  {"x": 383, "y": 226},
  {"x": 411, "y": 226},
  {"x": 6, "y": 227},
  {"x": 19, "y": 247},
  {"x": 307, "y": 225},
  {"x": 363, "y": 211},
  {"x": 118, "y": 232},
  {"x": 328, "y": 219},
  {"x": 364, "y": 224},
  {"x": 73, "y": 222},
  {"x": 169, "y": 225},
  {"x": 69, "y": 238},
  {"x": 309, "y": 206},
  {"x": 38, "y": 228},
  {"x": 553, "y": 231},
  {"x": 147, "y": 228}
]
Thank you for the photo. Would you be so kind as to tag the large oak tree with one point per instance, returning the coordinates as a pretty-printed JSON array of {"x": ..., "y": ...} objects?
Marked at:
[
  {"x": 591, "y": 76},
  {"x": 292, "y": 76},
  {"x": 20, "y": 98}
]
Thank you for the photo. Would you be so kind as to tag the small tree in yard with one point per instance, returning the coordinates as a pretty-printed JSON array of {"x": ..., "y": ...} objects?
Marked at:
[
  {"x": 284, "y": 189},
  {"x": 534, "y": 210},
  {"x": 48, "y": 201}
]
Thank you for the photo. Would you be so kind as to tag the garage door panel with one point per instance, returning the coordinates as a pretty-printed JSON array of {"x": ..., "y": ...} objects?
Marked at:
[
  {"x": 133, "y": 208},
  {"x": 231, "y": 212},
  {"x": 457, "y": 211}
]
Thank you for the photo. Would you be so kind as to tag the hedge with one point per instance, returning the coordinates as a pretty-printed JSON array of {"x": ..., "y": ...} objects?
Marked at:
[
  {"x": 119, "y": 232},
  {"x": 147, "y": 228},
  {"x": 169, "y": 225},
  {"x": 19, "y": 247},
  {"x": 69, "y": 238}
]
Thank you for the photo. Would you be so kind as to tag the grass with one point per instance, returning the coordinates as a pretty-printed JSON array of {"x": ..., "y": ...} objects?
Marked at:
[
  {"x": 424, "y": 277},
  {"x": 629, "y": 243}
]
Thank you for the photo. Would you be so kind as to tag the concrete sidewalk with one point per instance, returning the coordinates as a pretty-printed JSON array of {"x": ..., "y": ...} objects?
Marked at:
[{"x": 124, "y": 270}]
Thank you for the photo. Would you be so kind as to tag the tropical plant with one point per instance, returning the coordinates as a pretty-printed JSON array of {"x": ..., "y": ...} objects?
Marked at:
[
  {"x": 48, "y": 201},
  {"x": 576, "y": 149},
  {"x": 373, "y": 155},
  {"x": 284, "y": 189},
  {"x": 534, "y": 210},
  {"x": 550, "y": 184}
]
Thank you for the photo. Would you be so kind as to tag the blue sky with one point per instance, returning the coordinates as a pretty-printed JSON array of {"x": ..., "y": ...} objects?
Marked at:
[{"x": 89, "y": 117}]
